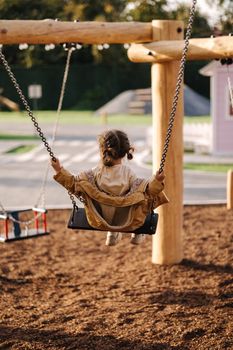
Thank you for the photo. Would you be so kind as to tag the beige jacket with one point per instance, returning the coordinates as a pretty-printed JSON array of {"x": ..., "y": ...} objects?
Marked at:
[{"x": 115, "y": 199}]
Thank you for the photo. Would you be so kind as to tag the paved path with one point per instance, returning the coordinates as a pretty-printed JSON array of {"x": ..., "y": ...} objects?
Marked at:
[{"x": 21, "y": 175}]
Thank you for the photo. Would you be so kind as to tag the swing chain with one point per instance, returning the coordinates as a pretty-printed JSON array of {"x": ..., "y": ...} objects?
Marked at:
[
  {"x": 24, "y": 222},
  {"x": 33, "y": 119},
  {"x": 80, "y": 198},
  {"x": 178, "y": 86},
  {"x": 72, "y": 199},
  {"x": 2, "y": 209},
  {"x": 26, "y": 105}
]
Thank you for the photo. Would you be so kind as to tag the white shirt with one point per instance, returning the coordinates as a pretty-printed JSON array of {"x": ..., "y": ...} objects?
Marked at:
[{"x": 115, "y": 180}]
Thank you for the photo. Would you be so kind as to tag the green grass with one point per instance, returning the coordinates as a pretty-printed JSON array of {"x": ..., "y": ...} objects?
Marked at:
[
  {"x": 21, "y": 149},
  {"x": 221, "y": 168},
  {"x": 7, "y": 137},
  {"x": 193, "y": 119},
  {"x": 88, "y": 118},
  {"x": 211, "y": 167},
  {"x": 77, "y": 117}
]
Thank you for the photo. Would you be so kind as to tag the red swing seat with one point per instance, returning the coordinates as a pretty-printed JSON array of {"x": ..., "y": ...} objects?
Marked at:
[{"x": 11, "y": 227}]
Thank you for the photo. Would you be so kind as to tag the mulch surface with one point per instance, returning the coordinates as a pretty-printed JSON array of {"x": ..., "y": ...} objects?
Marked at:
[{"x": 68, "y": 290}]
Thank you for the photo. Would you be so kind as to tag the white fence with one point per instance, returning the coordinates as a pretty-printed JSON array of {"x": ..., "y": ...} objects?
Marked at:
[{"x": 197, "y": 137}]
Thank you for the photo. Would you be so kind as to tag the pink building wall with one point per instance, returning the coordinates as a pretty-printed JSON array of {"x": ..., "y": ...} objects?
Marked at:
[{"x": 221, "y": 111}]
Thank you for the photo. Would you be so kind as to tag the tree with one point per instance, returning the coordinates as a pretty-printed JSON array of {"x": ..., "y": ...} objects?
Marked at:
[
  {"x": 88, "y": 10},
  {"x": 27, "y": 9},
  {"x": 201, "y": 27},
  {"x": 92, "y": 10},
  {"x": 37, "y": 9},
  {"x": 225, "y": 10},
  {"x": 226, "y": 20},
  {"x": 146, "y": 10}
]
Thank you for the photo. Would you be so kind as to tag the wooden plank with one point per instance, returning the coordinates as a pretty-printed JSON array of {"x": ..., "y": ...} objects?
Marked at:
[
  {"x": 167, "y": 243},
  {"x": 167, "y": 50},
  {"x": 230, "y": 190},
  {"x": 51, "y": 31}
]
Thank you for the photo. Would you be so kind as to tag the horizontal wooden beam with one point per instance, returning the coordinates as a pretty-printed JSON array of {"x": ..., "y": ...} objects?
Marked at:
[
  {"x": 51, "y": 31},
  {"x": 199, "y": 49}
]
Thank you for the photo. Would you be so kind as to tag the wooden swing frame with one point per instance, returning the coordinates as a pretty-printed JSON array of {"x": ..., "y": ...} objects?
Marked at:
[{"x": 160, "y": 44}]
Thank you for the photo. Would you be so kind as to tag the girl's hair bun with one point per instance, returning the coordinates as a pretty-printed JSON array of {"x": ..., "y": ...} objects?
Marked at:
[
  {"x": 114, "y": 144},
  {"x": 130, "y": 153},
  {"x": 129, "y": 156}
]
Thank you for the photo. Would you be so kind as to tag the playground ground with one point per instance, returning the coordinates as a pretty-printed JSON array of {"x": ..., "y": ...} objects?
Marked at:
[{"x": 69, "y": 291}]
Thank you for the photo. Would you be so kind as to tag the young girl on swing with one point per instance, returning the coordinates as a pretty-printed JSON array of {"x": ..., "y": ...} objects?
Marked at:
[{"x": 116, "y": 200}]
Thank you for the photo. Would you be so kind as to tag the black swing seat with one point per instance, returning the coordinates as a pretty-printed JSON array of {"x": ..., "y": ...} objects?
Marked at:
[
  {"x": 78, "y": 221},
  {"x": 12, "y": 228}
]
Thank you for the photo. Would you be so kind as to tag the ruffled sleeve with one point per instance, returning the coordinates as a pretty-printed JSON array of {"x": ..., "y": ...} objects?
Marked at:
[
  {"x": 66, "y": 179},
  {"x": 155, "y": 186}
]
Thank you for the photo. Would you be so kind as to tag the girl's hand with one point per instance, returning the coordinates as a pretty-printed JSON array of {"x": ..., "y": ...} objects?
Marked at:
[
  {"x": 56, "y": 165},
  {"x": 159, "y": 176}
]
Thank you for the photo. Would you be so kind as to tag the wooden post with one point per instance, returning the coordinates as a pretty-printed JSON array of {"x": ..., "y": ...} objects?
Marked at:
[
  {"x": 230, "y": 189},
  {"x": 167, "y": 243},
  {"x": 104, "y": 118}
]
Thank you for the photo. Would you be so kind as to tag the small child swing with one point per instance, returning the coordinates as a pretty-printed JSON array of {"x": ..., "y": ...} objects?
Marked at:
[
  {"x": 12, "y": 225},
  {"x": 78, "y": 218}
]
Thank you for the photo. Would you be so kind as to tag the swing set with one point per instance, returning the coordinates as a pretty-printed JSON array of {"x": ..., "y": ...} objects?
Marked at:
[
  {"x": 161, "y": 44},
  {"x": 12, "y": 226}
]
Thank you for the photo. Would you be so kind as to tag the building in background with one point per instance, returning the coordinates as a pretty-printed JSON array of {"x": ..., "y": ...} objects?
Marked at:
[{"x": 221, "y": 78}]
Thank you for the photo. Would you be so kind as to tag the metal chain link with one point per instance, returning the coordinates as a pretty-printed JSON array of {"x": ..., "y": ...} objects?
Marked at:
[
  {"x": 178, "y": 86},
  {"x": 3, "y": 210},
  {"x": 80, "y": 198},
  {"x": 24, "y": 222},
  {"x": 26, "y": 105}
]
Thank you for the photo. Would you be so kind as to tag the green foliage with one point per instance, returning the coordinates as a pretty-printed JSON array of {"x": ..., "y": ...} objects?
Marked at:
[
  {"x": 37, "y": 10},
  {"x": 225, "y": 20},
  {"x": 92, "y": 10},
  {"x": 27, "y": 9},
  {"x": 146, "y": 10},
  {"x": 201, "y": 27}
]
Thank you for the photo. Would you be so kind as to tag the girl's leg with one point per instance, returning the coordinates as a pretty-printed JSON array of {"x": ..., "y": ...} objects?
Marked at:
[
  {"x": 137, "y": 238},
  {"x": 113, "y": 238}
]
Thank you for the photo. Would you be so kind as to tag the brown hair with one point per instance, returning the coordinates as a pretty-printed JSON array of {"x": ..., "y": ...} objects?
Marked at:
[{"x": 114, "y": 144}]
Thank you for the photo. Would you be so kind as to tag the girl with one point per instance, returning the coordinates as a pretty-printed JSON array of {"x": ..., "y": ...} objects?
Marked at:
[{"x": 115, "y": 199}]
